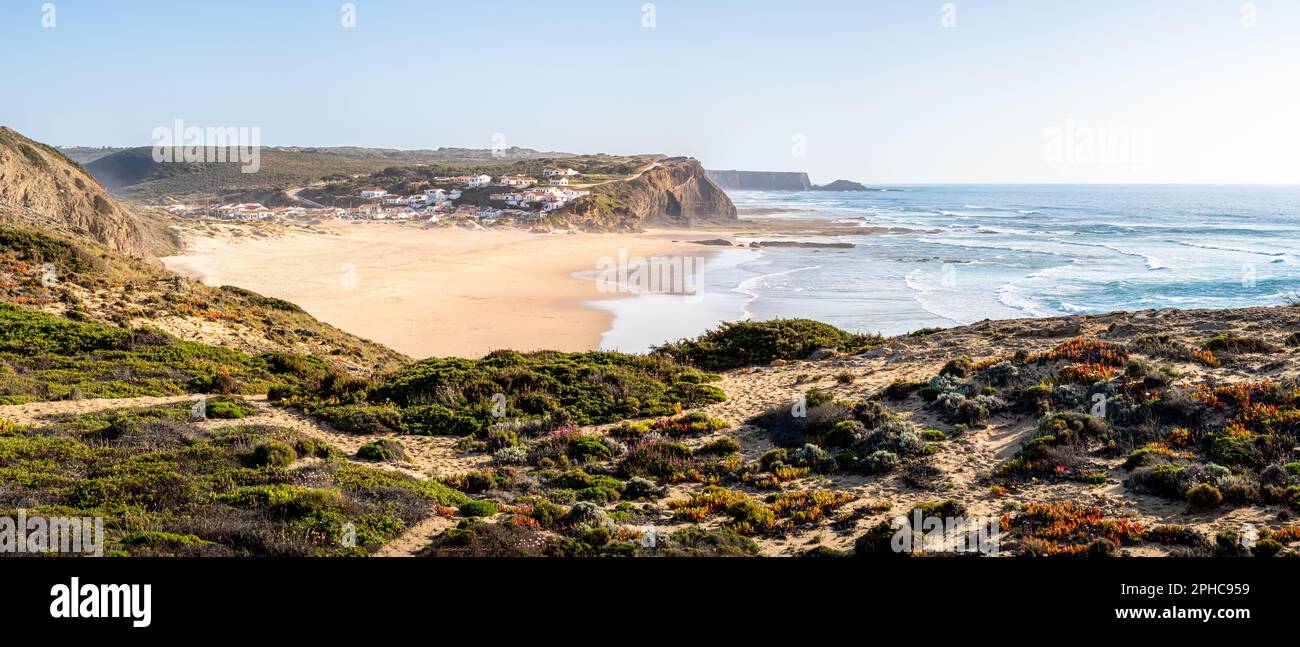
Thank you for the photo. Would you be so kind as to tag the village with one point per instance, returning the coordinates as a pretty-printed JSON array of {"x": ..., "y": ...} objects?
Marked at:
[{"x": 522, "y": 198}]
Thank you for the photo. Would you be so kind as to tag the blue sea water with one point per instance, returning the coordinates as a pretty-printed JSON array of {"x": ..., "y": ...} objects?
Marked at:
[{"x": 963, "y": 253}]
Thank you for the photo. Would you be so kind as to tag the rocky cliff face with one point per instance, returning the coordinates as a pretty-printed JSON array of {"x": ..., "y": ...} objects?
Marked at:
[
  {"x": 41, "y": 187},
  {"x": 761, "y": 180},
  {"x": 675, "y": 192}
]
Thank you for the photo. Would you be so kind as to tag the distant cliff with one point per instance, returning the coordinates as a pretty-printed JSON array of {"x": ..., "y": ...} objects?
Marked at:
[
  {"x": 760, "y": 180},
  {"x": 673, "y": 192},
  {"x": 776, "y": 181}
]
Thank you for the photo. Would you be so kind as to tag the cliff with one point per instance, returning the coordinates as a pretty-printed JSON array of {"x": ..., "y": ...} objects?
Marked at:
[
  {"x": 760, "y": 180},
  {"x": 674, "y": 192},
  {"x": 41, "y": 187}
]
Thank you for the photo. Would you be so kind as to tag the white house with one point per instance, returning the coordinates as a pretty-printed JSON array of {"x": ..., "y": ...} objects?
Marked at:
[
  {"x": 559, "y": 181},
  {"x": 373, "y": 193},
  {"x": 517, "y": 181},
  {"x": 555, "y": 172},
  {"x": 479, "y": 181}
]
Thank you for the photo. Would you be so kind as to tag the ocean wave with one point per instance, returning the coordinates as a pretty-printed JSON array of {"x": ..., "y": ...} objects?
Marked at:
[{"x": 1238, "y": 250}]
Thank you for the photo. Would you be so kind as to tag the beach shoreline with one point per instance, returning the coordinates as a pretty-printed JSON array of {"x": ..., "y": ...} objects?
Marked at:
[{"x": 432, "y": 291}]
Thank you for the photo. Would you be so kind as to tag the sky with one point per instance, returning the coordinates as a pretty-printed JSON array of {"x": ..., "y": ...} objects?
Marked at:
[{"x": 878, "y": 91}]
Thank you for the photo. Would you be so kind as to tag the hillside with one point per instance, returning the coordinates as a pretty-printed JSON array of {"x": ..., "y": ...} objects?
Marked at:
[
  {"x": 673, "y": 192},
  {"x": 40, "y": 187},
  {"x": 410, "y": 179},
  {"x": 68, "y": 248},
  {"x": 133, "y": 175}
]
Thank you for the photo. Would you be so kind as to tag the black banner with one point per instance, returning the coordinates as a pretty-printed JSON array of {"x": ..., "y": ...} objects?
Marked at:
[{"x": 320, "y": 597}]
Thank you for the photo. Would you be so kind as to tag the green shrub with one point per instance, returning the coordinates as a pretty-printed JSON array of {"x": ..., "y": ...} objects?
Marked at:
[
  {"x": 1267, "y": 548},
  {"x": 361, "y": 419},
  {"x": 933, "y": 435},
  {"x": 480, "y": 508},
  {"x": 292, "y": 501},
  {"x": 385, "y": 450},
  {"x": 273, "y": 454},
  {"x": 1204, "y": 496},
  {"x": 719, "y": 447},
  {"x": 226, "y": 409},
  {"x": 960, "y": 367},
  {"x": 754, "y": 343},
  {"x": 1237, "y": 344},
  {"x": 317, "y": 448}
]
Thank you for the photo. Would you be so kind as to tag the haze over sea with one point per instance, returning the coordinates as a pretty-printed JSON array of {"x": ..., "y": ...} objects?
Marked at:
[{"x": 963, "y": 253}]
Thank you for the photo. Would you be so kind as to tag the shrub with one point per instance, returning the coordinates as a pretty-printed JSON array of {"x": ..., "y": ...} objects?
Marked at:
[
  {"x": 693, "y": 541},
  {"x": 901, "y": 389},
  {"x": 639, "y": 488},
  {"x": 386, "y": 450},
  {"x": 960, "y": 367},
  {"x": 878, "y": 542},
  {"x": 1175, "y": 535},
  {"x": 755, "y": 343},
  {"x": 273, "y": 454},
  {"x": 589, "y": 448},
  {"x": 719, "y": 447},
  {"x": 933, "y": 435},
  {"x": 1231, "y": 343},
  {"x": 879, "y": 462},
  {"x": 655, "y": 458},
  {"x": 1204, "y": 496},
  {"x": 896, "y": 436},
  {"x": 1267, "y": 547},
  {"x": 585, "y": 513},
  {"x": 1101, "y": 547},
  {"x": 314, "y": 447},
  {"x": 814, "y": 458},
  {"x": 1002, "y": 373},
  {"x": 510, "y": 456},
  {"x": 478, "y": 508},
  {"x": 225, "y": 409},
  {"x": 361, "y": 419},
  {"x": 962, "y": 410}
]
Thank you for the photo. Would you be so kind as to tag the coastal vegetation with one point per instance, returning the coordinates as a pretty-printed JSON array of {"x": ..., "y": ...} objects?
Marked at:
[
  {"x": 168, "y": 484},
  {"x": 748, "y": 343}
]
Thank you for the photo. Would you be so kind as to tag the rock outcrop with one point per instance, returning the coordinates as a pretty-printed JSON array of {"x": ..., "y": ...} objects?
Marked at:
[
  {"x": 841, "y": 185},
  {"x": 674, "y": 192},
  {"x": 41, "y": 187}
]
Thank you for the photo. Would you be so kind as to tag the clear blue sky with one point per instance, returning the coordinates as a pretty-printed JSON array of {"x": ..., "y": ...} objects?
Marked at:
[{"x": 879, "y": 90}]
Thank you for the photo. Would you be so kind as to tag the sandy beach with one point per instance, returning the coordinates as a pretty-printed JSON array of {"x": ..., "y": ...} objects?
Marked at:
[{"x": 435, "y": 291}]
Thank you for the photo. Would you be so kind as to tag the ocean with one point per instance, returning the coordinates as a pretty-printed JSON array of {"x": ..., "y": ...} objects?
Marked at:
[{"x": 963, "y": 253}]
